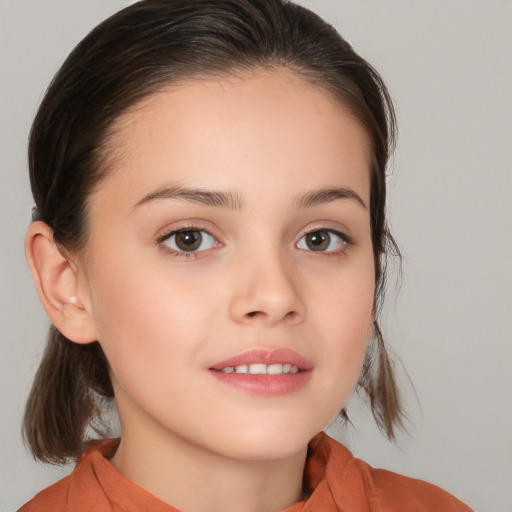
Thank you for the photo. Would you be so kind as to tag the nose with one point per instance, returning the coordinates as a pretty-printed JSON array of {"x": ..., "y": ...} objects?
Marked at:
[{"x": 266, "y": 291}]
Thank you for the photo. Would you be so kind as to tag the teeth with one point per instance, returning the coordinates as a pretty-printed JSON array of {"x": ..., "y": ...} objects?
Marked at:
[
  {"x": 275, "y": 369},
  {"x": 262, "y": 369},
  {"x": 257, "y": 369}
]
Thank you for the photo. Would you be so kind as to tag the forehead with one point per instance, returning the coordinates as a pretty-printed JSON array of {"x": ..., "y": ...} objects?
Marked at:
[{"x": 229, "y": 131}]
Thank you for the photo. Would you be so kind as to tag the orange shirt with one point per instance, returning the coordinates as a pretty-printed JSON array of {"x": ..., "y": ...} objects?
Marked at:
[{"x": 337, "y": 480}]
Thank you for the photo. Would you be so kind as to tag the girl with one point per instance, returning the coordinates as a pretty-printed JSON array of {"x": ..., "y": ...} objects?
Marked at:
[{"x": 209, "y": 242}]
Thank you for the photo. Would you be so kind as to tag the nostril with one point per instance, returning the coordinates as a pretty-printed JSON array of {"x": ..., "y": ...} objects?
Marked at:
[{"x": 291, "y": 315}]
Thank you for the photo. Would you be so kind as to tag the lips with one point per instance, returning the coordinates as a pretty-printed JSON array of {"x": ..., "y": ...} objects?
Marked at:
[
  {"x": 267, "y": 358},
  {"x": 264, "y": 372}
]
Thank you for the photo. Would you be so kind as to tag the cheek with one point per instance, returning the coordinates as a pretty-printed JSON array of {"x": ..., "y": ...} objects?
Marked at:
[
  {"x": 144, "y": 315},
  {"x": 136, "y": 334},
  {"x": 127, "y": 305},
  {"x": 348, "y": 320}
]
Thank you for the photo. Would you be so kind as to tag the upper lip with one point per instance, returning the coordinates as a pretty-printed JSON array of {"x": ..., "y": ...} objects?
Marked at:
[{"x": 265, "y": 356}]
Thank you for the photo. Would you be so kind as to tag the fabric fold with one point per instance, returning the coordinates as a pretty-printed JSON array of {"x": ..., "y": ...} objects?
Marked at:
[{"x": 337, "y": 482}]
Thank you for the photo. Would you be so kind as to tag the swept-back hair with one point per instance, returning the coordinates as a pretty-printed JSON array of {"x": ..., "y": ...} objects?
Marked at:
[{"x": 133, "y": 54}]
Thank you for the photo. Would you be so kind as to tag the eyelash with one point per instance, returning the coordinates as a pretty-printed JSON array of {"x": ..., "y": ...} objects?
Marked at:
[
  {"x": 182, "y": 254},
  {"x": 346, "y": 240}
]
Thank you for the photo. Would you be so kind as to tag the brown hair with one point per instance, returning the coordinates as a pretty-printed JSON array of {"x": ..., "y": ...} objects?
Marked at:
[{"x": 129, "y": 56}]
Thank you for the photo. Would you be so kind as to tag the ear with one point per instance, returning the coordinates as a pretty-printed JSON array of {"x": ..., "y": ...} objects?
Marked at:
[{"x": 57, "y": 284}]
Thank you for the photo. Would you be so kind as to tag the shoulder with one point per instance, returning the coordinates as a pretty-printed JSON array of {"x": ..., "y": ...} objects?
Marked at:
[
  {"x": 386, "y": 491},
  {"x": 52, "y": 498},
  {"x": 393, "y": 491},
  {"x": 79, "y": 490}
]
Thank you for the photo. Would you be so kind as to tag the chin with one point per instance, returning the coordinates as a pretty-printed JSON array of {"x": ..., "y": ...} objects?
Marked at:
[{"x": 268, "y": 443}]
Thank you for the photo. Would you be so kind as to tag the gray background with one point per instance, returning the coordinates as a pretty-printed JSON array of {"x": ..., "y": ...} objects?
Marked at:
[{"x": 448, "y": 65}]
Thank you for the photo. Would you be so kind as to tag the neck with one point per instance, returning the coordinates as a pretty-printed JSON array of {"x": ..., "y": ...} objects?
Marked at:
[{"x": 197, "y": 480}]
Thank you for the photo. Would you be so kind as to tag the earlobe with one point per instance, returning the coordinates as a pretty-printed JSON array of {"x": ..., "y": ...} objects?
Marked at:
[{"x": 57, "y": 285}]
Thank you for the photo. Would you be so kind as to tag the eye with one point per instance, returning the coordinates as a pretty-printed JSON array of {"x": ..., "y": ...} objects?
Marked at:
[
  {"x": 189, "y": 240},
  {"x": 323, "y": 240}
]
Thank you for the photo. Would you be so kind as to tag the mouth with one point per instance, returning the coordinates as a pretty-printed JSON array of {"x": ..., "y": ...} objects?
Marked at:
[
  {"x": 265, "y": 372},
  {"x": 262, "y": 369},
  {"x": 278, "y": 361}
]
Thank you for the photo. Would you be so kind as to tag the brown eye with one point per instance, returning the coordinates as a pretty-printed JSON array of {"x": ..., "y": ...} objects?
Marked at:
[
  {"x": 322, "y": 240},
  {"x": 193, "y": 240},
  {"x": 188, "y": 240},
  {"x": 318, "y": 240}
]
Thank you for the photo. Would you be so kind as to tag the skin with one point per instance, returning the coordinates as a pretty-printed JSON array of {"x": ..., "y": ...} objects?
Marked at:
[{"x": 163, "y": 319}]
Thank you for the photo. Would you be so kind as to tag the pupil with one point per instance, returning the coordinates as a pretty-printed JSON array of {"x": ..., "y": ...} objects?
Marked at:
[
  {"x": 318, "y": 240},
  {"x": 188, "y": 240}
]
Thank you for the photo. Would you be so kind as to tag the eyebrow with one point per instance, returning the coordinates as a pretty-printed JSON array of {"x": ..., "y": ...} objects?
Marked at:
[
  {"x": 234, "y": 201},
  {"x": 230, "y": 200},
  {"x": 327, "y": 195}
]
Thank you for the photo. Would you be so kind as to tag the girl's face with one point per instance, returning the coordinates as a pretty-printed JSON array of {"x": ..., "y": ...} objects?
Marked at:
[{"x": 233, "y": 230}]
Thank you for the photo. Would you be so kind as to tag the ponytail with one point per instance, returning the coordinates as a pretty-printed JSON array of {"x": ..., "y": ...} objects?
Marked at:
[
  {"x": 69, "y": 388},
  {"x": 378, "y": 382}
]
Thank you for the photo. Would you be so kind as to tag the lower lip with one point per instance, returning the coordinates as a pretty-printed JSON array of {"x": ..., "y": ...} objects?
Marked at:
[{"x": 265, "y": 385}]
